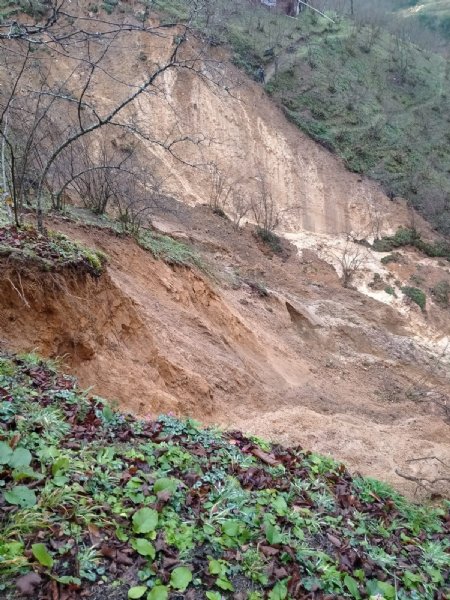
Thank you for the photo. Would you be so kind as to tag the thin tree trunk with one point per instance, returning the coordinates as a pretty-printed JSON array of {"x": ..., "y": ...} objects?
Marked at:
[{"x": 5, "y": 187}]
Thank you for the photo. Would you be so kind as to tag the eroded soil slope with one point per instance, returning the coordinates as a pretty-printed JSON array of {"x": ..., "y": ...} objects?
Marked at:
[
  {"x": 310, "y": 362},
  {"x": 229, "y": 125}
]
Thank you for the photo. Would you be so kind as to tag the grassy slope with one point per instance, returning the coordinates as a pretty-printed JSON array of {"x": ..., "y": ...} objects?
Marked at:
[
  {"x": 381, "y": 104},
  {"x": 434, "y": 14},
  {"x": 91, "y": 497},
  {"x": 51, "y": 252}
]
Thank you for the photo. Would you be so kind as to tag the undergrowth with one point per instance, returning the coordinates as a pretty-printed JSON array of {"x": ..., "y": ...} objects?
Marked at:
[
  {"x": 95, "y": 503},
  {"x": 169, "y": 249},
  {"x": 271, "y": 239},
  {"x": 411, "y": 237},
  {"x": 417, "y": 295},
  {"x": 49, "y": 252}
]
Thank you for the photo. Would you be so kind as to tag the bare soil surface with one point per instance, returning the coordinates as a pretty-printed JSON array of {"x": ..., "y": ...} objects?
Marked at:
[{"x": 310, "y": 362}]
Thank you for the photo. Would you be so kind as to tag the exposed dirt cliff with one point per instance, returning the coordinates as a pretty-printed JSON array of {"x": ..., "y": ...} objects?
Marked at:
[{"x": 272, "y": 345}]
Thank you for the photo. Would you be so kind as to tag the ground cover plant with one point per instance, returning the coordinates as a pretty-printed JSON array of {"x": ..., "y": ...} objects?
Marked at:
[
  {"x": 170, "y": 250},
  {"x": 98, "y": 504},
  {"x": 50, "y": 252},
  {"x": 410, "y": 237}
]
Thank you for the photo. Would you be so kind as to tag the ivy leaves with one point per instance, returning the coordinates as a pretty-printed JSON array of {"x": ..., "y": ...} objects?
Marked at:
[{"x": 145, "y": 520}]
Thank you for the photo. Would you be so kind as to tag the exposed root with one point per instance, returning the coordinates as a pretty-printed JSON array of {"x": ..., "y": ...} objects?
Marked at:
[{"x": 20, "y": 292}]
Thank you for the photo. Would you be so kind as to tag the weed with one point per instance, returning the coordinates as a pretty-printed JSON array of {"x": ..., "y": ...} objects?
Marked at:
[
  {"x": 390, "y": 290},
  {"x": 395, "y": 257},
  {"x": 271, "y": 239},
  {"x": 441, "y": 293},
  {"x": 170, "y": 250},
  {"x": 50, "y": 252}
]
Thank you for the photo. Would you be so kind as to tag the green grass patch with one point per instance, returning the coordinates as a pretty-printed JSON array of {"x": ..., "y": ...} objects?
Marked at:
[
  {"x": 49, "y": 252},
  {"x": 170, "y": 250},
  {"x": 96, "y": 501}
]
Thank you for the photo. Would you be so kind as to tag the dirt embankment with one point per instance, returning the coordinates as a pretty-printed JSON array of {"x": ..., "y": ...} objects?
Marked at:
[{"x": 309, "y": 363}]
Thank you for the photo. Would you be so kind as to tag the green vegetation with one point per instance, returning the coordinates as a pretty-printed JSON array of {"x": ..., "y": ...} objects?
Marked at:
[
  {"x": 271, "y": 239},
  {"x": 49, "y": 252},
  {"x": 411, "y": 237},
  {"x": 434, "y": 14},
  {"x": 395, "y": 257},
  {"x": 441, "y": 293},
  {"x": 169, "y": 250},
  {"x": 93, "y": 500},
  {"x": 34, "y": 8},
  {"x": 390, "y": 290},
  {"x": 416, "y": 295}
]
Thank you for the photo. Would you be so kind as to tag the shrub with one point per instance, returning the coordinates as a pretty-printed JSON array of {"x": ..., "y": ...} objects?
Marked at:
[
  {"x": 415, "y": 295},
  {"x": 390, "y": 290},
  {"x": 271, "y": 239},
  {"x": 441, "y": 292},
  {"x": 258, "y": 288},
  {"x": 395, "y": 257},
  {"x": 411, "y": 237}
]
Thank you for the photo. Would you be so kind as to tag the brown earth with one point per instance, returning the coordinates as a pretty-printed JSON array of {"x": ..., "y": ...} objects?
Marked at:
[{"x": 309, "y": 363}]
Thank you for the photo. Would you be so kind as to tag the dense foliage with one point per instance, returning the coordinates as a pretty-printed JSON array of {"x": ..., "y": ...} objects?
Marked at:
[{"x": 100, "y": 503}]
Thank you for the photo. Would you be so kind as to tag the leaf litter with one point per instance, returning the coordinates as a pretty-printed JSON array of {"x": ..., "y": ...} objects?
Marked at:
[{"x": 99, "y": 504}]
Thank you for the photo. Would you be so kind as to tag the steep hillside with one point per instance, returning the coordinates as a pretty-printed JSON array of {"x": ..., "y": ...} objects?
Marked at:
[
  {"x": 373, "y": 97},
  {"x": 434, "y": 14}
]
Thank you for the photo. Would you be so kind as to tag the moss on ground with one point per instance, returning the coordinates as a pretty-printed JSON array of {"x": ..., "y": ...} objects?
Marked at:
[{"x": 49, "y": 252}]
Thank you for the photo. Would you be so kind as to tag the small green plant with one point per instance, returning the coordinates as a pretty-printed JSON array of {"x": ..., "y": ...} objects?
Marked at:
[
  {"x": 394, "y": 257},
  {"x": 390, "y": 290},
  {"x": 415, "y": 295},
  {"x": 441, "y": 293},
  {"x": 258, "y": 288}
]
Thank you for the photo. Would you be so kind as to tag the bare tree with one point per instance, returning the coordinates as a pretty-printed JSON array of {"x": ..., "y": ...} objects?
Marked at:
[
  {"x": 42, "y": 118},
  {"x": 240, "y": 206},
  {"x": 221, "y": 187},
  {"x": 263, "y": 206},
  {"x": 351, "y": 258},
  {"x": 91, "y": 170}
]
